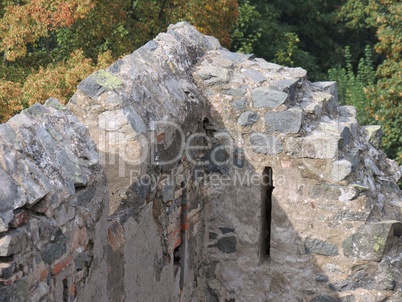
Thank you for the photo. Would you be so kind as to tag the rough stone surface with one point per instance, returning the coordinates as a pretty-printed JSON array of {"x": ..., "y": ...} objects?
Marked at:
[
  {"x": 372, "y": 241},
  {"x": 375, "y": 135},
  {"x": 239, "y": 104},
  {"x": 47, "y": 160},
  {"x": 317, "y": 246},
  {"x": 204, "y": 205},
  {"x": 288, "y": 121},
  {"x": 248, "y": 118},
  {"x": 268, "y": 98},
  {"x": 265, "y": 143}
]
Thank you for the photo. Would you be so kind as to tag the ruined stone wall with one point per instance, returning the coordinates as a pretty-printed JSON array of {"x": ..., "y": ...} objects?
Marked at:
[
  {"x": 142, "y": 112},
  {"x": 326, "y": 226},
  {"x": 217, "y": 177},
  {"x": 53, "y": 208}
]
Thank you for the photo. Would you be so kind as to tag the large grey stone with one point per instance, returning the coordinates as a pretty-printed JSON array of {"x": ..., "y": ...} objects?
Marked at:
[
  {"x": 370, "y": 276},
  {"x": 248, "y": 118},
  {"x": 54, "y": 249},
  {"x": 232, "y": 56},
  {"x": 317, "y": 246},
  {"x": 340, "y": 169},
  {"x": 213, "y": 75},
  {"x": 324, "y": 298},
  {"x": 267, "y": 98},
  {"x": 326, "y": 191},
  {"x": 13, "y": 243},
  {"x": 239, "y": 104},
  {"x": 288, "y": 121},
  {"x": 372, "y": 241},
  {"x": 236, "y": 92},
  {"x": 288, "y": 86},
  {"x": 227, "y": 244},
  {"x": 374, "y": 134},
  {"x": 254, "y": 75},
  {"x": 318, "y": 145},
  {"x": 267, "y": 144}
]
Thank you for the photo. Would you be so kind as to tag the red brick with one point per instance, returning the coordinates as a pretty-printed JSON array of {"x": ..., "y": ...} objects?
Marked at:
[
  {"x": 59, "y": 266},
  {"x": 160, "y": 137},
  {"x": 115, "y": 236},
  {"x": 19, "y": 219},
  {"x": 80, "y": 237},
  {"x": 44, "y": 274},
  {"x": 185, "y": 226},
  {"x": 72, "y": 290},
  {"x": 178, "y": 242},
  {"x": 14, "y": 278}
]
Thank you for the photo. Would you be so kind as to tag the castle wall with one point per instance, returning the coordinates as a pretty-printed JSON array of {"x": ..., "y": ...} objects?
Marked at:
[
  {"x": 142, "y": 113},
  {"x": 54, "y": 208},
  {"x": 185, "y": 172}
]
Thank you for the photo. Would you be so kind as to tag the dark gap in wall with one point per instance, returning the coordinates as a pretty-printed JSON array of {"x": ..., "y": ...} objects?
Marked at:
[
  {"x": 266, "y": 198},
  {"x": 65, "y": 290},
  {"x": 177, "y": 256}
]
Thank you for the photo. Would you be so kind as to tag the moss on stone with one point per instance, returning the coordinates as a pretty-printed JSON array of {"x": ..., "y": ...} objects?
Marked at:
[
  {"x": 108, "y": 80},
  {"x": 379, "y": 243}
]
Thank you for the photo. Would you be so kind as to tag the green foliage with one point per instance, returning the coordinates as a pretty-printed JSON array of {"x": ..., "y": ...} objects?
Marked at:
[
  {"x": 247, "y": 32},
  {"x": 49, "y": 46},
  {"x": 285, "y": 56},
  {"x": 352, "y": 86}
]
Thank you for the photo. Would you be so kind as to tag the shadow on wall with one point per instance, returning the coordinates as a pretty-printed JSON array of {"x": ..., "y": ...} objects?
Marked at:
[
  {"x": 190, "y": 134},
  {"x": 253, "y": 250}
]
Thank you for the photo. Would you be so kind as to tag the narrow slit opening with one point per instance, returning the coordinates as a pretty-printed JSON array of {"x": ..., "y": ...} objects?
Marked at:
[
  {"x": 176, "y": 259},
  {"x": 65, "y": 290},
  {"x": 266, "y": 215}
]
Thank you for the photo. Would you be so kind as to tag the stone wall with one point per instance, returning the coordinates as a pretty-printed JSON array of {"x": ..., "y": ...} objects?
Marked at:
[
  {"x": 327, "y": 227},
  {"x": 53, "y": 208},
  {"x": 222, "y": 178}
]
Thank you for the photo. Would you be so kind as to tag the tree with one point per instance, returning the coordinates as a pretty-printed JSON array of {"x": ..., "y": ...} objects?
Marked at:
[
  {"x": 352, "y": 86},
  {"x": 49, "y": 46},
  {"x": 385, "y": 97}
]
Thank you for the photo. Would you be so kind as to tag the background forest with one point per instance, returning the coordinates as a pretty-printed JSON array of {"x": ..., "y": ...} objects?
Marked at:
[{"x": 49, "y": 46}]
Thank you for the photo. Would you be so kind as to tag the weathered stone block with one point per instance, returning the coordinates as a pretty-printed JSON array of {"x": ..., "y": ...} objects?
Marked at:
[
  {"x": 99, "y": 82},
  {"x": 232, "y": 56},
  {"x": 13, "y": 243},
  {"x": 374, "y": 134},
  {"x": 288, "y": 86},
  {"x": 288, "y": 121},
  {"x": 321, "y": 278},
  {"x": 54, "y": 249},
  {"x": 227, "y": 244},
  {"x": 236, "y": 92},
  {"x": 314, "y": 146},
  {"x": 213, "y": 75},
  {"x": 317, "y": 246},
  {"x": 347, "y": 111},
  {"x": 248, "y": 118},
  {"x": 267, "y": 144},
  {"x": 341, "y": 169},
  {"x": 326, "y": 191},
  {"x": 239, "y": 104},
  {"x": 6, "y": 269},
  {"x": 330, "y": 87},
  {"x": 267, "y": 98},
  {"x": 372, "y": 241},
  {"x": 254, "y": 75},
  {"x": 324, "y": 299}
]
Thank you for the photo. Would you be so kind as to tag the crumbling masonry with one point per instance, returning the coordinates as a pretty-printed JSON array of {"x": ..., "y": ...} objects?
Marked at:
[{"x": 185, "y": 172}]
